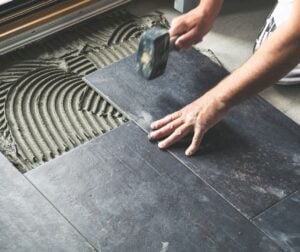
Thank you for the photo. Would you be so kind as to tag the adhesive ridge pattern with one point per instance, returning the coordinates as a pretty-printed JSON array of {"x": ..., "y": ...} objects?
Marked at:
[{"x": 45, "y": 107}]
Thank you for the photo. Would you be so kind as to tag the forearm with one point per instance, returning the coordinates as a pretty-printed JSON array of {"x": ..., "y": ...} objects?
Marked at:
[
  {"x": 276, "y": 57},
  {"x": 210, "y": 8}
]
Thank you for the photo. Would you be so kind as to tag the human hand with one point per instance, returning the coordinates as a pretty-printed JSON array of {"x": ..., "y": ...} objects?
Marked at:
[
  {"x": 191, "y": 28},
  {"x": 198, "y": 117}
]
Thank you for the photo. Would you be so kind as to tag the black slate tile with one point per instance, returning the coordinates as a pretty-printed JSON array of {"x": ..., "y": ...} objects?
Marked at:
[
  {"x": 282, "y": 222},
  {"x": 187, "y": 75},
  {"x": 248, "y": 158},
  {"x": 28, "y": 222},
  {"x": 123, "y": 194}
]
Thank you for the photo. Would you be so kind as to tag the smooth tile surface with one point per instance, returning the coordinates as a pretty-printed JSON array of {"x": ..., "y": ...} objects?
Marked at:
[
  {"x": 124, "y": 194},
  {"x": 248, "y": 158},
  {"x": 282, "y": 222},
  {"x": 188, "y": 74},
  {"x": 28, "y": 222}
]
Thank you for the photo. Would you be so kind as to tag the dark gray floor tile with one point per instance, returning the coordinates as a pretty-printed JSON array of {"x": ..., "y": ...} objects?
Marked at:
[
  {"x": 124, "y": 194},
  {"x": 187, "y": 75},
  {"x": 282, "y": 223},
  {"x": 249, "y": 158},
  {"x": 28, "y": 222}
]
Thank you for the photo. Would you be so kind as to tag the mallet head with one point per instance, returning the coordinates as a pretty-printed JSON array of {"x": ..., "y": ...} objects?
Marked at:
[{"x": 153, "y": 52}]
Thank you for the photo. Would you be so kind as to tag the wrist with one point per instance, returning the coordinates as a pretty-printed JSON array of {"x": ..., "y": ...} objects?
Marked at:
[
  {"x": 202, "y": 14},
  {"x": 215, "y": 100},
  {"x": 209, "y": 9}
]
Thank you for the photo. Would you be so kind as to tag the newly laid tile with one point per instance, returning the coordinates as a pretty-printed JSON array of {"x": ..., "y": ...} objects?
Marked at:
[
  {"x": 28, "y": 222},
  {"x": 123, "y": 194},
  {"x": 248, "y": 158},
  {"x": 282, "y": 222},
  {"x": 187, "y": 75}
]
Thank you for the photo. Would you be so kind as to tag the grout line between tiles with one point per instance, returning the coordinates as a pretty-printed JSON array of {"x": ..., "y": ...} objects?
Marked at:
[
  {"x": 252, "y": 220},
  {"x": 212, "y": 188},
  {"x": 61, "y": 214},
  {"x": 248, "y": 220},
  {"x": 273, "y": 205}
]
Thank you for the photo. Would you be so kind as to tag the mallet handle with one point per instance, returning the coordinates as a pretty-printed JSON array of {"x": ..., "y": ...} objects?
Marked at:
[{"x": 172, "y": 43}]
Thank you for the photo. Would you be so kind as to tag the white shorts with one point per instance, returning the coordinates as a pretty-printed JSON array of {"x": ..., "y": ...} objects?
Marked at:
[{"x": 278, "y": 16}]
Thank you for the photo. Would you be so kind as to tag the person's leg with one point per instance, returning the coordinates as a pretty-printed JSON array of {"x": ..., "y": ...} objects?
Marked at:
[{"x": 279, "y": 15}]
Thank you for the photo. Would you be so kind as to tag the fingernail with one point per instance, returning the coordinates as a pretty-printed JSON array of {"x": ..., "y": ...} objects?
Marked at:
[
  {"x": 150, "y": 137},
  {"x": 188, "y": 153},
  {"x": 161, "y": 145},
  {"x": 152, "y": 125},
  {"x": 179, "y": 42}
]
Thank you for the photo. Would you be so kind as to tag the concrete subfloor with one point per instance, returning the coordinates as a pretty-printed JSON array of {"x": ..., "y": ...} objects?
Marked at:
[{"x": 232, "y": 39}]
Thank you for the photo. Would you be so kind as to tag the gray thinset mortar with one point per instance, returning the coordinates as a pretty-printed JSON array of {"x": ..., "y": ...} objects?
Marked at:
[{"x": 45, "y": 107}]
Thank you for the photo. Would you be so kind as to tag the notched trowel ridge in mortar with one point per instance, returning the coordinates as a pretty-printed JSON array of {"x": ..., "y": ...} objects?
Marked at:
[{"x": 45, "y": 107}]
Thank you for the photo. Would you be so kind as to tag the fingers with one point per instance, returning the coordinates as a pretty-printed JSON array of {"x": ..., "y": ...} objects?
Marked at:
[
  {"x": 166, "y": 130},
  {"x": 188, "y": 39},
  {"x": 189, "y": 35},
  {"x": 177, "y": 27},
  {"x": 178, "y": 134},
  {"x": 197, "y": 138},
  {"x": 167, "y": 119}
]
